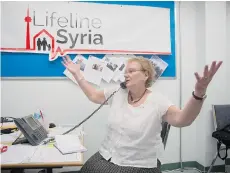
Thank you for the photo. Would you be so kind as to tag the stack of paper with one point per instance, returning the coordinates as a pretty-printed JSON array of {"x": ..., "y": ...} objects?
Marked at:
[{"x": 68, "y": 144}]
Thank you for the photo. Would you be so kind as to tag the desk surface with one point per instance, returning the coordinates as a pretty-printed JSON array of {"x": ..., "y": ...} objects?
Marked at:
[
  {"x": 49, "y": 157},
  {"x": 41, "y": 165},
  {"x": 46, "y": 162}
]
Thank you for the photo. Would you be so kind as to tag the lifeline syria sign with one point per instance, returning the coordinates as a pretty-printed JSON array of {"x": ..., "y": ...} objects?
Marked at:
[{"x": 59, "y": 28}]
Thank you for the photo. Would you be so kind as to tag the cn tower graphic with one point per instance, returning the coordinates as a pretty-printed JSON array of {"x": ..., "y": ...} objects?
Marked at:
[{"x": 28, "y": 20}]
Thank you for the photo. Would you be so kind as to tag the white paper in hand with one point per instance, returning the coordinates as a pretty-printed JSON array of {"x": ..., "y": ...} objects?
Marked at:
[{"x": 68, "y": 144}]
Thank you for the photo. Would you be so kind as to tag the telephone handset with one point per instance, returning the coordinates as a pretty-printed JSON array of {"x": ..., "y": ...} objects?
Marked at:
[{"x": 32, "y": 129}]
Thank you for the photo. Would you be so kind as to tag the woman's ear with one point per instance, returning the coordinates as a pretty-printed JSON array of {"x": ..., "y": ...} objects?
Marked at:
[{"x": 146, "y": 75}]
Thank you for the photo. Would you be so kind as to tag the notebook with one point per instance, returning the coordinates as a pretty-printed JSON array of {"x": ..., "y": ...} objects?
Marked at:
[{"x": 68, "y": 144}]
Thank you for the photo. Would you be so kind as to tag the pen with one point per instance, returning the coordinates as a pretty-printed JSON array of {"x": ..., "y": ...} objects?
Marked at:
[{"x": 42, "y": 116}]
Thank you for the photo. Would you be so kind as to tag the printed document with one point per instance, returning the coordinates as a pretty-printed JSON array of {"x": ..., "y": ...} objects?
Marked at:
[
  {"x": 93, "y": 70},
  {"x": 112, "y": 65},
  {"x": 159, "y": 65},
  {"x": 119, "y": 74}
]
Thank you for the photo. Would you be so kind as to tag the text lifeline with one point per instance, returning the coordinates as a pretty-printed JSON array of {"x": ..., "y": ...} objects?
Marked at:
[{"x": 72, "y": 22}]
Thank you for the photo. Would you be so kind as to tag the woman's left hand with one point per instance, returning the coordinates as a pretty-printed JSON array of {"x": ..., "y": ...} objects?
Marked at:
[{"x": 203, "y": 81}]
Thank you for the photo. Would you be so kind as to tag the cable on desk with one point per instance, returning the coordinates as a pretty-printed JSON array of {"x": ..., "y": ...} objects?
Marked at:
[{"x": 17, "y": 138}]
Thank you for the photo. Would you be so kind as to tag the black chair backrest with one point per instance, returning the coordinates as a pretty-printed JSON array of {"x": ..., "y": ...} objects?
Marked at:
[
  {"x": 221, "y": 115},
  {"x": 165, "y": 132}
]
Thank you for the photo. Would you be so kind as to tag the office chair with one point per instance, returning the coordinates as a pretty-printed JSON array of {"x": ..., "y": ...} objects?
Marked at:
[
  {"x": 164, "y": 138},
  {"x": 165, "y": 132},
  {"x": 221, "y": 116}
]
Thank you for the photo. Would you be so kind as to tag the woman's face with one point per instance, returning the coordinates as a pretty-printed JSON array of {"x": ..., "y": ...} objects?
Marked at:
[{"x": 135, "y": 75}]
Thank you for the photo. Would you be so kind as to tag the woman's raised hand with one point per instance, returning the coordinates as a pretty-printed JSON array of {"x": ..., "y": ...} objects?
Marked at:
[
  {"x": 72, "y": 67},
  {"x": 203, "y": 81}
]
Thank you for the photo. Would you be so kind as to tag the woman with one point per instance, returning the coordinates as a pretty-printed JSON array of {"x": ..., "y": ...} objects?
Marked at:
[{"x": 133, "y": 143}]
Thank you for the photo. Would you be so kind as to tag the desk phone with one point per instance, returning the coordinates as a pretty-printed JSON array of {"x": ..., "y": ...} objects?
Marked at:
[{"x": 32, "y": 129}]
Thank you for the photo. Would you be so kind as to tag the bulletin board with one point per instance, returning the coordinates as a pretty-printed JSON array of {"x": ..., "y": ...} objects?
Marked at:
[{"x": 37, "y": 65}]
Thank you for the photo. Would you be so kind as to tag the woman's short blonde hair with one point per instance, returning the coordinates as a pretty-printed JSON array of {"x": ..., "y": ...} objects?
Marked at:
[{"x": 146, "y": 66}]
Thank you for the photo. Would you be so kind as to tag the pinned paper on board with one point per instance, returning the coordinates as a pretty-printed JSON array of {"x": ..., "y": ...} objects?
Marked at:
[
  {"x": 159, "y": 65},
  {"x": 93, "y": 70},
  {"x": 110, "y": 68},
  {"x": 119, "y": 75}
]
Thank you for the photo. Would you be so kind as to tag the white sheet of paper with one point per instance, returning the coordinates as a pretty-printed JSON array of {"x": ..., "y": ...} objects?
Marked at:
[
  {"x": 93, "y": 70},
  {"x": 19, "y": 153},
  {"x": 80, "y": 60},
  {"x": 159, "y": 65},
  {"x": 68, "y": 144}
]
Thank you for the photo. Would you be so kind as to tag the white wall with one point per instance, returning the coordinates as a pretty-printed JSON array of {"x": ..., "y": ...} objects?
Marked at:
[
  {"x": 200, "y": 63},
  {"x": 64, "y": 103},
  {"x": 215, "y": 35},
  {"x": 203, "y": 30},
  {"x": 188, "y": 66}
]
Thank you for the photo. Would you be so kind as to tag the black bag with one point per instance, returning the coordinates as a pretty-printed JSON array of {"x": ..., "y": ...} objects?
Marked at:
[{"x": 223, "y": 137}]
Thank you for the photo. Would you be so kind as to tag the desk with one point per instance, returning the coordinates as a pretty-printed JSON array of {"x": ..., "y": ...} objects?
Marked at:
[
  {"x": 48, "y": 163},
  {"x": 44, "y": 156}
]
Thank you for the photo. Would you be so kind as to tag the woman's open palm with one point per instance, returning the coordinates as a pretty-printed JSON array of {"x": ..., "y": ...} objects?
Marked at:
[
  {"x": 72, "y": 67},
  {"x": 203, "y": 81}
]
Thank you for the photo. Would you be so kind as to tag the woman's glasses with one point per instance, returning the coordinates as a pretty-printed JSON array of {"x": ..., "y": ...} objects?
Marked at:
[{"x": 131, "y": 71}]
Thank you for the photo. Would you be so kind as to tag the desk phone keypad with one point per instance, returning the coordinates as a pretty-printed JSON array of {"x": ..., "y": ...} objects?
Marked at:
[{"x": 40, "y": 133}]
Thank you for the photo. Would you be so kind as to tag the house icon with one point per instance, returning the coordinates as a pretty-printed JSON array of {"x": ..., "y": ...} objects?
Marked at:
[{"x": 42, "y": 44}]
